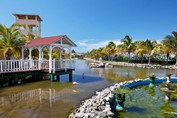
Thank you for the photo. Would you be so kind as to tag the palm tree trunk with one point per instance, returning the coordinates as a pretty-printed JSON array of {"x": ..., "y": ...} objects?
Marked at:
[
  {"x": 149, "y": 62},
  {"x": 167, "y": 58},
  {"x": 112, "y": 58},
  {"x": 128, "y": 57}
]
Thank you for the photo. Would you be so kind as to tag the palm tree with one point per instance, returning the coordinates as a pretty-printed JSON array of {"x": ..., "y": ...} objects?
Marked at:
[
  {"x": 151, "y": 47},
  {"x": 27, "y": 39},
  {"x": 11, "y": 41},
  {"x": 128, "y": 45},
  {"x": 165, "y": 48},
  {"x": 171, "y": 42},
  {"x": 140, "y": 50},
  {"x": 94, "y": 54},
  {"x": 119, "y": 49},
  {"x": 110, "y": 48},
  {"x": 100, "y": 52}
]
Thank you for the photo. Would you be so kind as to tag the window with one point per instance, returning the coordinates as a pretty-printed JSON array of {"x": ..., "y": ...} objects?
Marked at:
[
  {"x": 31, "y": 17},
  {"x": 21, "y": 17},
  {"x": 22, "y": 28}
]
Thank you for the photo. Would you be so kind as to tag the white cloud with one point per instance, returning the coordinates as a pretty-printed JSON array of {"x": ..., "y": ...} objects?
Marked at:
[
  {"x": 88, "y": 45},
  {"x": 158, "y": 40}
]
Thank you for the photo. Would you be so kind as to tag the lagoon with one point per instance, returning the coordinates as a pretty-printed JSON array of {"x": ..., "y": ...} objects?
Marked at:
[{"x": 26, "y": 100}]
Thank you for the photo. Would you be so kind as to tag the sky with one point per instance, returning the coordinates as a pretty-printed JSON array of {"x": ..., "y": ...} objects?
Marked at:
[{"x": 91, "y": 24}]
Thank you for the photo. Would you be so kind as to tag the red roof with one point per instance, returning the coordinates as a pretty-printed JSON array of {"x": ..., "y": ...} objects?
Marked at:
[{"x": 44, "y": 41}]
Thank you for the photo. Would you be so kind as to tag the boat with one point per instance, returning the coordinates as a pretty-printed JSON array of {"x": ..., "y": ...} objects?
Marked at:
[{"x": 97, "y": 65}]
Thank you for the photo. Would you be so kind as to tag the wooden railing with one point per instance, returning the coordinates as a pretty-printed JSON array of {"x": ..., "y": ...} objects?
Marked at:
[{"x": 22, "y": 65}]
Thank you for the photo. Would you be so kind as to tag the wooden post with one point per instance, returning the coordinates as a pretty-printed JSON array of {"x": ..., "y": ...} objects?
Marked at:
[
  {"x": 58, "y": 78},
  {"x": 53, "y": 65},
  {"x": 22, "y": 53},
  {"x": 70, "y": 59},
  {"x": 30, "y": 58},
  {"x": 40, "y": 56},
  {"x": 60, "y": 66},
  {"x": 70, "y": 76},
  {"x": 50, "y": 59}
]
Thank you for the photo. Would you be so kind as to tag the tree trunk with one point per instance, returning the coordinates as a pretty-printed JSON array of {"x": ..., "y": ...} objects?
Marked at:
[
  {"x": 128, "y": 57},
  {"x": 149, "y": 62}
]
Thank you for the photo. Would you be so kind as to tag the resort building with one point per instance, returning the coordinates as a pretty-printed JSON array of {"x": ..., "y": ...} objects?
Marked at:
[{"x": 31, "y": 24}]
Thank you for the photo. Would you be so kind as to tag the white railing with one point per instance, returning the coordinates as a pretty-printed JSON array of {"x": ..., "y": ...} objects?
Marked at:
[
  {"x": 64, "y": 64},
  {"x": 20, "y": 65},
  {"x": 67, "y": 64}
]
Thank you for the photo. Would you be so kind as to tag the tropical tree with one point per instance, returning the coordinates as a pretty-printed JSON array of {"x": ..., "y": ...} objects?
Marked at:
[
  {"x": 11, "y": 41},
  {"x": 111, "y": 47},
  {"x": 171, "y": 42},
  {"x": 128, "y": 45},
  {"x": 27, "y": 39},
  {"x": 151, "y": 47},
  {"x": 94, "y": 54},
  {"x": 119, "y": 49},
  {"x": 105, "y": 52},
  {"x": 100, "y": 52},
  {"x": 140, "y": 49},
  {"x": 165, "y": 48}
]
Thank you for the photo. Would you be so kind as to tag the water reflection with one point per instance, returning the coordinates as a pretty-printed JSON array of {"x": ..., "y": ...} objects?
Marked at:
[
  {"x": 148, "y": 102},
  {"x": 168, "y": 110},
  {"x": 151, "y": 90},
  {"x": 67, "y": 96},
  {"x": 29, "y": 96}
]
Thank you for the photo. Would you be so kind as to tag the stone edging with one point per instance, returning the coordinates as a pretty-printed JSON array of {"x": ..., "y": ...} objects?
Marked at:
[
  {"x": 135, "y": 64},
  {"x": 99, "y": 106}
]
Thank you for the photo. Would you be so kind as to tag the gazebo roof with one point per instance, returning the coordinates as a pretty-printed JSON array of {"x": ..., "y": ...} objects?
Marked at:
[{"x": 49, "y": 40}]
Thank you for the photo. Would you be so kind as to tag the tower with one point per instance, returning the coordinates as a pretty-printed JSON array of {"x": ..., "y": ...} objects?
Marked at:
[{"x": 30, "y": 24}]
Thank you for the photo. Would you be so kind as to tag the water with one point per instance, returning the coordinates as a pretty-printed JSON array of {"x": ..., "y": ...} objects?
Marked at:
[
  {"x": 149, "y": 103},
  {"x": 26, "y": 100}
]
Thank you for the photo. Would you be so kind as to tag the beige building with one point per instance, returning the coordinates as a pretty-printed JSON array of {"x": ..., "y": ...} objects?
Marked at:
[{"x": 31, "y": 24}]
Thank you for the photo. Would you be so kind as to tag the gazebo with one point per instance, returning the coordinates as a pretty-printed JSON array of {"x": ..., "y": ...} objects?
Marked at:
[
  {"x": 60, "y": 43},
  {"x": 16, "y": 71}
]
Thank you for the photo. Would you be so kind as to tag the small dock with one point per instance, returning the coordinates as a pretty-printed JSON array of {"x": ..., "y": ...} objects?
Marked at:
[
  {"x": 18, "y": 71},
  {"x": 30, "y": 67}
]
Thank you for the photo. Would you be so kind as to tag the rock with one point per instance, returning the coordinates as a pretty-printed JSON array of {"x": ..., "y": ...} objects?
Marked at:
[{"x": 98, "y": 106}]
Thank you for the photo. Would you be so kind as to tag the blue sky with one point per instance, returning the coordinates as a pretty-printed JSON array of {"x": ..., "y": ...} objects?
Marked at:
[{"x": 93, "y": 23}]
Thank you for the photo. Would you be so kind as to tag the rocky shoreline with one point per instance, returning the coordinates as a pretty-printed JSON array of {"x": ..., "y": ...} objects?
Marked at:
[
  {"x": 135, "y": 64},
  {"x": 98, "y": 106}
]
